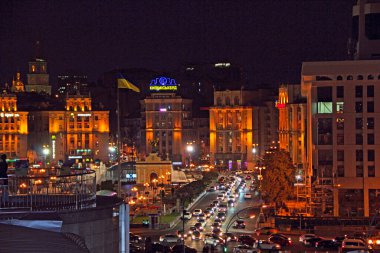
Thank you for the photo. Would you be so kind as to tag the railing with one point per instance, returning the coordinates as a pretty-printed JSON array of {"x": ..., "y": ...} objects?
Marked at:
[{"x": 38, "y": 193}]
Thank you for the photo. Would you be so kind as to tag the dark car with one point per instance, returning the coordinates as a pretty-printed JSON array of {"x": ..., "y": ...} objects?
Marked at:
[
  {"x": 247, "y": 239},
  {"x": 312, "y": 241},
  {"x": 217, "y": 231},
  {"x": 179, "y": 249},
  {"x": 135, "y": 248},
  {"x": 199, "y": 226},
  {"x": 196, "y": 235},
  {"x": 327, "y": 244},
  {"x": 230, "y": 237},
  {"x": 158, "y": 247},
  {"x": 239, "y": 224},
  {"x": 280, "y": 239},
  {"x": 135, "y": 238}
]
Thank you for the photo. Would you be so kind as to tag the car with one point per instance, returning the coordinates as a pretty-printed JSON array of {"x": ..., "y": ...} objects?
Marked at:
[
  {"x": 311, "y": 241},
  {"x": 247, "y": 240},
  {"x": 211, "y": 189},
  {"x": 134, "y": 248},
  {"x": 159, "y": 247},
  {"x": 247, "y": 196},
  {"x": 354, "y": 245},
  {"x": 187, "y": 215},
  {"x": 216, "y": 225},
  {"x": 306, "y": 236},
  {"x": 265, "y": 244},
  {"x": 266, "y": 231},
  {"x": 280, "y": 239},
  {"x": 181, "y": 234},
  {"x": 231, "y": 203},
  {"x": 196, "y": 235},
  {"x": 191, "y": 230},
  {"x": 199, "y": 226},
  {"x": 248, "y": 177},
  {"x": 197, "y": 212},
  {"x": 220, "y": 197},
  {"x": 245, "y": 249},
  {"x": 210, "y": 210},
  {"x": 202, "y": 221},
  {"x": 179, "y": 249},
  {"x": 238, "y": 172},
  {"x": 135, "y": 238},
  {"x": 221, "y": 215},
  {"x": 374, "y": 240},
  {"x": 230, "y": 237},
  {"x": 218, "y": 220},
  {"x": 327, "y": 244},
  {"x": 213, "y": 239},
  {"x": 239, "y": 224},
  {"x": 207, "y": 214},
  {"x": 231, "y": 197},
  {"x": 170, "y": 238},
  {"x": 222, "y": 207},
  {"x": 215, "y": 203},
  {"x": 201, "y": 216},
  {"x": 217, "y": 232}
]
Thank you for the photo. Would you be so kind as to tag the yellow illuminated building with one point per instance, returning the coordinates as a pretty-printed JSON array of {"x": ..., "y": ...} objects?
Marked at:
[
  {"x": 76, "y": 133},
  {"x": 17, "y": 85},
  {"x": 13, "y": 127}
]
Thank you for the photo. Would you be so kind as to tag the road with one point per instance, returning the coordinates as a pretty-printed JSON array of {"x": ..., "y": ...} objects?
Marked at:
[{"x": 251, "y": 224}]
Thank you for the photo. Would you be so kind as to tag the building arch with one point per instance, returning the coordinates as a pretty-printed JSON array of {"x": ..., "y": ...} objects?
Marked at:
[{"x": 153, "y": 176}]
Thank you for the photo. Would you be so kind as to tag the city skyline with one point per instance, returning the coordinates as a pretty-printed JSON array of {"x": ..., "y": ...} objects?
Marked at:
[{"x": 95, "y": 37}]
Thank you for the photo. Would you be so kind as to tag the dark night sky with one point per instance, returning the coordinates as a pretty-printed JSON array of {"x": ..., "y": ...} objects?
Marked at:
[{"x": 269, "y": 38}]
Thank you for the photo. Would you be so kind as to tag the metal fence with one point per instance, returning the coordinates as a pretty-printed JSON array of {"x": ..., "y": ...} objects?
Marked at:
[{"x": 38, "y": 193}]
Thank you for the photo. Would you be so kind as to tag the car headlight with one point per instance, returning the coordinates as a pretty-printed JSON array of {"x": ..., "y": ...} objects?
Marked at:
[{"x": 377, "y": 242}]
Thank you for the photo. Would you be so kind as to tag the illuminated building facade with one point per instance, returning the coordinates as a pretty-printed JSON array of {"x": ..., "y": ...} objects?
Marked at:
[
  {"x": 76, "y": 133},
  {"x": 13, "y": 128},
  {"x": 72, "y": 84},
  {"x": 167, "y": 120},
  {"x": 38, "y": 78},
  {"x": 241, "y": 121},
  {"x": 292, "y": 122},
  {"x": 17, "y": 85}
]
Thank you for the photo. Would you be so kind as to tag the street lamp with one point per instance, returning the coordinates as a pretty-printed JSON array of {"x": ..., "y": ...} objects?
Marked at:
[
  {"x": 190, "y": 149},
  {"x": 45, "y": 152},
  {"x": 168, "y": 176},
  {"x": 135, "y": 190}
]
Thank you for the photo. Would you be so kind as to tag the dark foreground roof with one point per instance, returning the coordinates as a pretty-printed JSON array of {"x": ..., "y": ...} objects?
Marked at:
[{"x": 17, "y": 239}]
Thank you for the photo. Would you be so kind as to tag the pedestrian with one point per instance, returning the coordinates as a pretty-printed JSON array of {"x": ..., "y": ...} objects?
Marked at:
[{"x": 4, "y": 169}]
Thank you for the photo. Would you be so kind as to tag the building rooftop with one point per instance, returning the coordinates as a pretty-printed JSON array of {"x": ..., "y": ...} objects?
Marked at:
[{"x": 340, "y": 67}]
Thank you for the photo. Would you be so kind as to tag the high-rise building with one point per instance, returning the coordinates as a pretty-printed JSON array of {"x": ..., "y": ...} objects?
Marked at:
[
  {"x": 342, "y": 139},
  {"x": 13, "y": 127}
]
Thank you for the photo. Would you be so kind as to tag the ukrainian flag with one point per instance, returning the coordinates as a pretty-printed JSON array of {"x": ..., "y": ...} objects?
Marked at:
[{"x": 123, "y": 83}]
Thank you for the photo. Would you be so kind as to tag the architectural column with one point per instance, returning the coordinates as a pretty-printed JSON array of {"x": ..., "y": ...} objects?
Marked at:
[{"x": 336, "y": 201}]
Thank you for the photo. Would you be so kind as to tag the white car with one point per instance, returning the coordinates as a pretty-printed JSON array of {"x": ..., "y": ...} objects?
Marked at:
[
  {"x": 197, "y": 212},
  {"x": 306, "y": 236},
  {"x": 220, "y": 197},
  {"x": 354, "y": 245},
  {"x": 245, "y": 249},
  {"x": 247, "y": 196},
  {"x": 187, "y": 215},
  {"x": 213, "y": 239},
  {"x": 268, "y": 245},
  {"x": 170, "y": 238}
]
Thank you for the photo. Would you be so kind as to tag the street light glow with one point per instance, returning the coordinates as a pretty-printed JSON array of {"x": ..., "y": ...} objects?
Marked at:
[
  {"x": 45, "y": 151},
  {"x": 190, "y": 148}
]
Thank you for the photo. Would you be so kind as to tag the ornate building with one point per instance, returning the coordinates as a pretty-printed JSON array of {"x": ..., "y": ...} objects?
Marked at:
[
  {"x": 13, "y": 127},
  {"x": 38, "y": 78},
  {"x": 76, "y": 133},
  {"x": 17, "y": 85}
]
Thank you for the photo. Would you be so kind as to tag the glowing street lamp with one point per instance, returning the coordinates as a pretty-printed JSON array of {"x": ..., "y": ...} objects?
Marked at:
[
  {"x": 45, "y": 152},
  {"x": 190, "y": 149},
  {"x": 135, "y": 190}
]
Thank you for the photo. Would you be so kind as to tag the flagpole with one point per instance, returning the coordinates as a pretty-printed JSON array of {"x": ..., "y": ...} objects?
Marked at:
[{"x": 118, "y": 141}]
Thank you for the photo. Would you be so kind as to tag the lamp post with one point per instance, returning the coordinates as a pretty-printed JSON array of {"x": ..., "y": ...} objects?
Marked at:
[
  {"x": 45, "y": 152},
  {"x": 190, "y": 149},
  {"x": 255, "y": 151},
  {"x": 260, "y": 177}
]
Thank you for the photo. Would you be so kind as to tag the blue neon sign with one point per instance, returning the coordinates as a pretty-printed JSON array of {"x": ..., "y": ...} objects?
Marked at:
[{"x": 163, "y": 84}]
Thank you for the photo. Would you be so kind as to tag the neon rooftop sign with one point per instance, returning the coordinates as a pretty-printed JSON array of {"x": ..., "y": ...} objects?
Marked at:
[{"x": 163, "y": 84}]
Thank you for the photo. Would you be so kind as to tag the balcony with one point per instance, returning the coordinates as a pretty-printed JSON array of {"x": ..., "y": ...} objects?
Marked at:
[{"x": 73, "y": 191}]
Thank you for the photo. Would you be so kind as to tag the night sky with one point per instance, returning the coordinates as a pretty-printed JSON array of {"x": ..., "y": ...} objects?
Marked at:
[{"x": 269, "y": 38}]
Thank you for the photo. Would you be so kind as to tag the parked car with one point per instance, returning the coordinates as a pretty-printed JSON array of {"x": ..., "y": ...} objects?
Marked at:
[
  {"x": 179, "y": 249},
  {"x": 197, "y": 212},
  {"x": 327, "y": 244},
  {"x": 170, "y": 238},
  {"x": 266, "y": 231},
  {"x": 263, "y": 244},
  {"x": 311, "y": 241},
  {"x": 213, "y": 239},
  {"x": 245, "y": 249},
  {"x": 239, "y": 224},
  {"x": 280, "y": 239},
  {"x": 247, "y": 239}
]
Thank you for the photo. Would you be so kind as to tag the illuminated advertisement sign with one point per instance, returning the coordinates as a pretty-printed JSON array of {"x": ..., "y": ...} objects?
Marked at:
[
  {"x": 163, "y": 84},
  {"x": 9, "y": 115}
]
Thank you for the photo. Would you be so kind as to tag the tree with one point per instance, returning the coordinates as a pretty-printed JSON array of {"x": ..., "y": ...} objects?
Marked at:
[{"x": 278, "y": 176}]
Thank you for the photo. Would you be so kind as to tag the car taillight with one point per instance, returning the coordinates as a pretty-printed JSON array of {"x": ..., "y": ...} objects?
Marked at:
[{"x": 316, "y": 244}]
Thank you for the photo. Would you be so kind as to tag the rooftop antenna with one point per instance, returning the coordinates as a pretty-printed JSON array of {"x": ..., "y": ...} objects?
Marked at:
[{"x": 38, "y": 49}]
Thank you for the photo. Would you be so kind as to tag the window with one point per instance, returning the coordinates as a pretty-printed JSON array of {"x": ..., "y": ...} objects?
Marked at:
[
  {"x": 219, "y": 101},
  {"x": 339, "y": 78},
  {"x": 228, "y": 101},
  {"x": 370, "y": 106},
  {"x": 359, "y": 139},
  {"x": 325, "y": 107},
  {"x": 360, "y": 77},
  {"x": 358, "y": 91},
  {"x": 325, "y": 131},
  {"x": 370, "y": 91},
  {"x": 370, "y": 139},
  {"x": 371, "y": 155},
  {"x": 359, "y": 171},
  {"x": 340, "y": 91},
  {"x": 371, "y": 171},
  {"x": 324, "y": 94},
  {"x": 340, "y": 123},
  {"x": 340, "y": 155},
  {"x": 340, "y": 170},
  {"x": 359, "y": 123},
  {"x": 359, "y": 155},
  {"x": 340, "y": 139},
  {"x": 236, "y": 101},
  {"x": 339, "y": 107},
  {"x": 358, "y": 107},
  {"x": 370, "y": 77},
  {"x": 370, "y": 123}
]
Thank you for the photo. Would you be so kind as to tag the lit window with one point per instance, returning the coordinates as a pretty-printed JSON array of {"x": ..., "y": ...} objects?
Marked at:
[
  {"x": 33, "y": 68},
  {"x": 339, "y": 107},
  {"x": 325, "y": 107}
]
